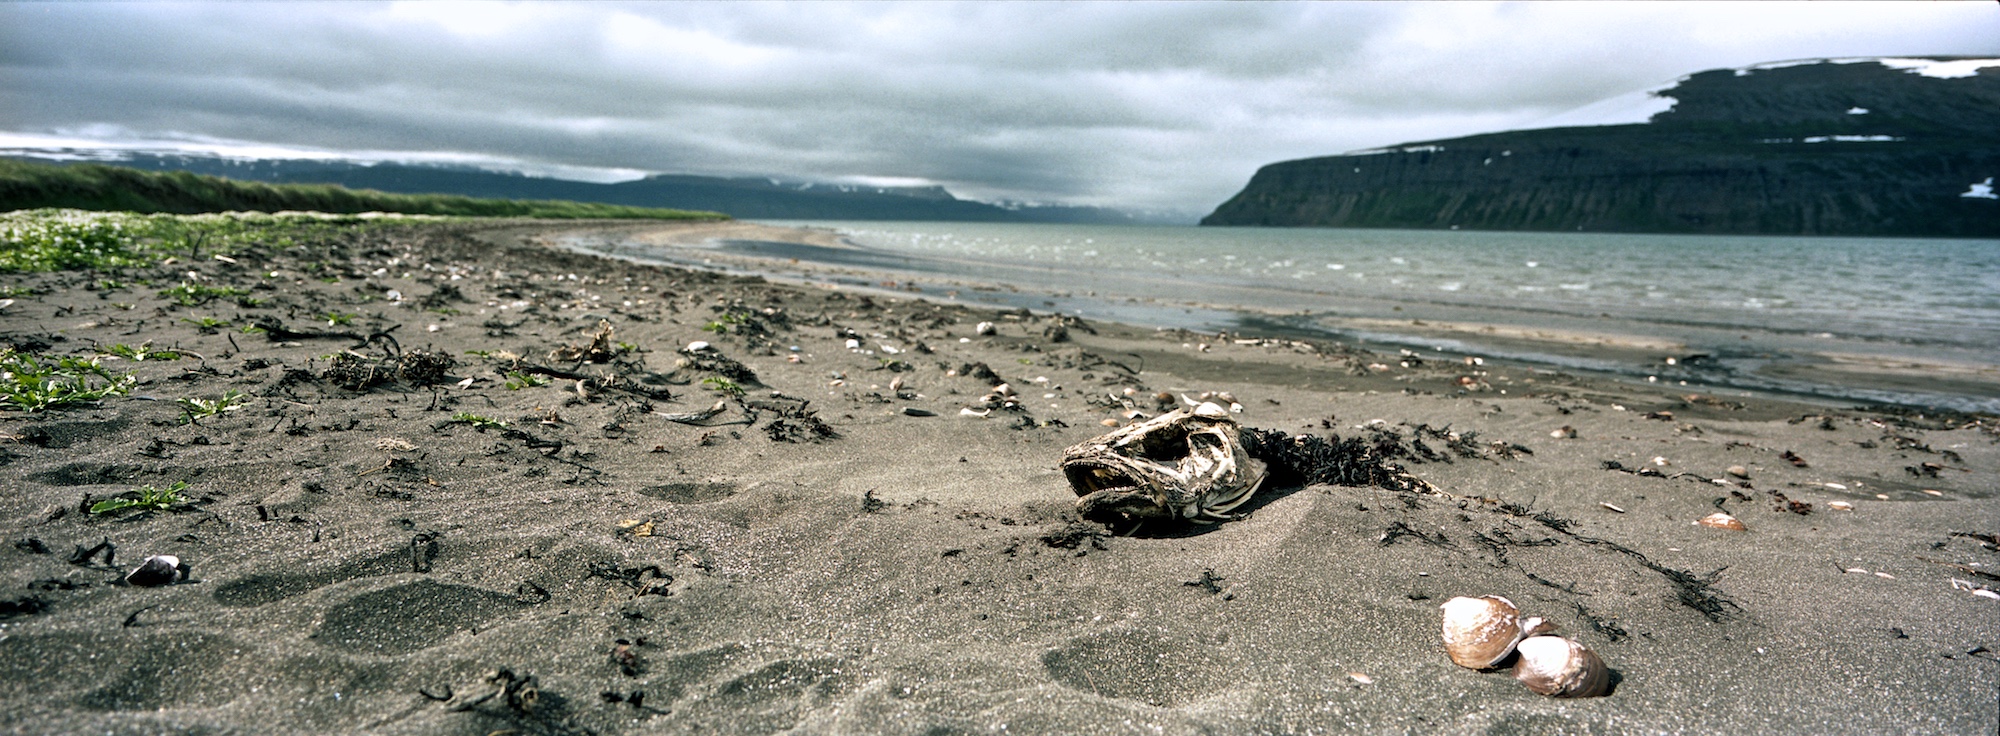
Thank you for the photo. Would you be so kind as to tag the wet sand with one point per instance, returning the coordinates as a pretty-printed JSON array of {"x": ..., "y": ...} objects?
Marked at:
[{"x": 834, "y": 553}]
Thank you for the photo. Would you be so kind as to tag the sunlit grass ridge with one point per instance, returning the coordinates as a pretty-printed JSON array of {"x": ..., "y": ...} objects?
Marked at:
[{"x": 25, "y": 185}]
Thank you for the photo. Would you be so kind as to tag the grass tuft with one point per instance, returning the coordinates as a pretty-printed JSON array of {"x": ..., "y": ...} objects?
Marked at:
[
  {"x": 146, "y": 498},
  {"x": 37, "y": 383}
]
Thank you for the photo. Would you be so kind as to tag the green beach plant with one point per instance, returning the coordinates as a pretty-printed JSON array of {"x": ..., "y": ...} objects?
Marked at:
[
  {"x": 195, "y": 409},
  {"x": 517, "y": 380},
  {"x": 145, "y": 498},
  {"x": 206, "y": 323},
  {"x": 37, "y": 383},
  {"x": 477, "y": 422},
  {"x": 144, "y": 351},
  {"x": 191, "y": 295}
]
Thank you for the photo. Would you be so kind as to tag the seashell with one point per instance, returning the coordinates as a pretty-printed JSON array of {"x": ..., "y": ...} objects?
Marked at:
[
  {"x": 1564, "y": 432},
  {"x": 1480, "y": 632},
  {"x": 1560, "y": 668},
  {"x": 1840, "y": 505},
  {"x": 1721, "y": 520},
  {"x": 155, "y": 571},
  {"x": 1738, "y": 471},
  {"x": 985, "y": 328}
]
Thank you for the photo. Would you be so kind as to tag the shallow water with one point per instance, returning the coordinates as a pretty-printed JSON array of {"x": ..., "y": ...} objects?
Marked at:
[{"x": 1748, "y": 302}]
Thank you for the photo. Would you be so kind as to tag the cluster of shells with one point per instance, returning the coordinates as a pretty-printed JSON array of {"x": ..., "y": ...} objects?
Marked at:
[
  {"x": 1001, "y": 397},
  {"x": 1482, "y": 633}
]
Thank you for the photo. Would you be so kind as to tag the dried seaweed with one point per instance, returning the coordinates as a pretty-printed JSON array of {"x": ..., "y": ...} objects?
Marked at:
[{"x": 1314, "y": 460}]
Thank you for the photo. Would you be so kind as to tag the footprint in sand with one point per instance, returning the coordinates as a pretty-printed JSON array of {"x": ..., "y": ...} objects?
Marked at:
[
  {"x": 409, "y": 617},
  {"x": 257, "y": 590},
  {"x": 1137, "y": 665},
  {"x": 690, "y": 492}
]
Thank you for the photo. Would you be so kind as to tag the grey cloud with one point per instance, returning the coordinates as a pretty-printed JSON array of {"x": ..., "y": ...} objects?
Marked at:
[{"x": 1152, "y": 105}]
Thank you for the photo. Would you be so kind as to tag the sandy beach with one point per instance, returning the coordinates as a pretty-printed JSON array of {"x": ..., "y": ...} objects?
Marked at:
[{"x": 449, "y": 502}]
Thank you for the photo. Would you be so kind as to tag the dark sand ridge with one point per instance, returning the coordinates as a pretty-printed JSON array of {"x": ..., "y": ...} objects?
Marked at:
[{"x": 364, "y": 564}]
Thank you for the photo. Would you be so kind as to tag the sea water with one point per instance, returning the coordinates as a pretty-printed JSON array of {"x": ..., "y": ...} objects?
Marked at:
[{"x": 1740, "y": 301}]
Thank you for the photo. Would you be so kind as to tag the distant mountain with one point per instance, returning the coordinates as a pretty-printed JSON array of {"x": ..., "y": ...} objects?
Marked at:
[
  {"x": 745, "y": 198},
  {"x": 1877, "y": 146}
]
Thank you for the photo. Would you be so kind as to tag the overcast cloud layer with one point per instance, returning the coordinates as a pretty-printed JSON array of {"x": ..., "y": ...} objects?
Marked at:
[{"x": 1168, "y": 106}]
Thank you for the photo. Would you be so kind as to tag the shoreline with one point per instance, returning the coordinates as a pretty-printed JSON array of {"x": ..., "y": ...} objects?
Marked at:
[
  {"x": 1698, "y": 356},
  {"x": 838, "y": 549}
]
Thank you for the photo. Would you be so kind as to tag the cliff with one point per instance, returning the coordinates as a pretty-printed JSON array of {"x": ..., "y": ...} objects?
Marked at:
[{"x": 1880, "y": 147}]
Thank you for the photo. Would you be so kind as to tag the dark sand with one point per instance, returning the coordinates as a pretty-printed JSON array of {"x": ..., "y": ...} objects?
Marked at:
[{"x": 362, "y": 564}]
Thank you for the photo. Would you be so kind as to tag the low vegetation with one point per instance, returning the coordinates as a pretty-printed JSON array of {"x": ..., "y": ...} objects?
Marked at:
[
  {"x": 36, "y": 383},
  {"x": 145, "y": 498},
  {"x": 25, "y": 185}
]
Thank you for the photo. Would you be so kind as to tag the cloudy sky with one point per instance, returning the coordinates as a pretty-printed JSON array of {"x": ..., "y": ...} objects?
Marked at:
[{"x": 1163, "y": 106}]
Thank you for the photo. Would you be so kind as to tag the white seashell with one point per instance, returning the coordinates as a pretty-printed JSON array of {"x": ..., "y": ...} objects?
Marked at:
[
  {"x": 1721, "y": 520},
  {"x": 154, "y": 571},
  {"x": 697, "y": 346},
  {"x": 1480, "y": 632},
  {"x": 984, "y": 328},
  {"x": 1560, "y": 668},
  {"x": 1840, "y": 505}
]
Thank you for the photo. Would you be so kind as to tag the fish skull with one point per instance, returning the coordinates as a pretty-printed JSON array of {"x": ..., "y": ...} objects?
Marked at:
[{"x": 1189, "y": 463}]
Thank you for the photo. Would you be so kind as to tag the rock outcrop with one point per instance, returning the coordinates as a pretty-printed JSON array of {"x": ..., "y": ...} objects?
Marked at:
[{"x": 1878, "y": 147}]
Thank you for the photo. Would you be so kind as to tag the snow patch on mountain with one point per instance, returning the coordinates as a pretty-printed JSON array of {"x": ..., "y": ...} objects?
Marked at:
[{"x": 1635, "y": 108}]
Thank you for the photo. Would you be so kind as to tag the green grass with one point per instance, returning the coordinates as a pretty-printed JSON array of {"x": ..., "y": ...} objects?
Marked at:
[
  {"x": 722, "y": 386},
  {"x": 206, "y": 322},
  {"x": 196, "y": 409},
  {"x": 517, "y": 380},
  {"x": 144, "y": 351},
  {"x": 25, "y": 185},
  {"x": 189, "y": 295},
  {"x": 145, "y": 498},
  {"x": 478, "y": 422},
  {"x": 32, "y": 383},
  {"x": 55, "y": 240}
]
